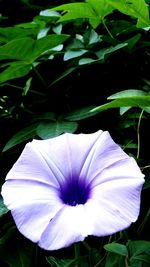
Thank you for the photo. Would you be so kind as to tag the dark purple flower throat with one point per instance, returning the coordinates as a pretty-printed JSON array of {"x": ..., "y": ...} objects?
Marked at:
[{"x": 75, "y": 192}]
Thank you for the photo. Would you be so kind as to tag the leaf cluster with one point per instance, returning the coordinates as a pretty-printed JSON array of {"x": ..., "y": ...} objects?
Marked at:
[{"x": 76, "y": 67}]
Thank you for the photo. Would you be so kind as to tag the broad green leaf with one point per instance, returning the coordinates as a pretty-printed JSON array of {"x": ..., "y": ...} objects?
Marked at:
[
  {"x": 93, "y": 10},
  {"x": 55, "y": 262},
  {"x": 102, "y": 54},
  {"x": 105, "y": 51},
  {"x": 16, "y": 252},
  {"x": 132, "y": 41},
  {"x": 84, "y": 61},
  {"x": 138, "y": 247},
  {"x": 49, "y": 13},
  {"x": 75, "y": 11},
  {"x": 27, "y": 49},
  {"x": 9, "y": 33},
  {"x": 142, "y": 258},
  {"x": 134, "y": 8},
  {"x": 102, "y": 8},
  {"x": 47, "y": 130},
  {"x": 114, "y": 260},
  {"x": 45, "y": 116},
  {"x": 80, "y": 114},
  {"x": 117, "y": 248},
  {"x": 15, "y": 70},
  {"x": 91, "y": 37},
  {"x": 73, "y": 54},
  {"x": 128, "y": 93},
  {"x": 134, "y": 101},
  {"x": 147, "y": 109},
  {"x": 21, "y": 136},
  {"x": 3, "y": 208},
  {"x": 123, "y": 110},
  {"x": 63, "y": 75},
  {"x": 6, "y": 236},
  {"x": 43, "y": 32}
]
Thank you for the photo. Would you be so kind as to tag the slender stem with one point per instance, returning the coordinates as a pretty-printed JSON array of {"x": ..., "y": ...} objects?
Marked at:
[
  {"x": 39, "y": 76},
  {"x": 86, "y": 245},
  {"x": 145, "y": 167},
  {"x": 146, "y": 218},
  {"x": 98, "y": 264},
  {"x": 11, "y": 85},
  {"x": 138, "y": 133},
  {"x": 77, "y": 253},
  {"x": 126, "y": 261},
  {"x": 107, "y": 29}
]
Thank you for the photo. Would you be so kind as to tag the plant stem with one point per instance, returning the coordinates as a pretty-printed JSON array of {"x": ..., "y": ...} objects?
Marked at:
[
  {"x": 138, "y": 133},
  {"x": 39, "y": 76},
  {"x": 126, "y": 261},
  {"x": 36, "y": 256},
  {"x": 86, "y": 245},
  {"x": 107, "y": 29},
  {"x": 77, "y": 253}
]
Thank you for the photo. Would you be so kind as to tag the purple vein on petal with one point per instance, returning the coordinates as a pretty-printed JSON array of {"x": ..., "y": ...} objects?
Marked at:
[
  {"x": 88, "y": 158},
  {"x": 109, "y": 177},
  {"x": 53, "y": 166}
]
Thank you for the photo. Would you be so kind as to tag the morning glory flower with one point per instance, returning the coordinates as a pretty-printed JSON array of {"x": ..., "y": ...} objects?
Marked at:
[{"x": 63, "y": 189}]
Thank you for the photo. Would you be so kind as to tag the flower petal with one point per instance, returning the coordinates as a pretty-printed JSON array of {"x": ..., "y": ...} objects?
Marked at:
[
  {"x": 54, "y": 160},
  {"x": 68, "y": 226},
  {"x": 68, "y": 151},
  {"x": 32, "y": 205},
  {"x": 104, "y": 219},
  {"x": 122, "y": 195},
  {"x": 104, "y": 153},
  {"x": 33, "y": 165}
]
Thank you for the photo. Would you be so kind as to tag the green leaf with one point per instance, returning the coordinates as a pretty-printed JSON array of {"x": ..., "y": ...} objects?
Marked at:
[
  {"x": 117, "y": 248},
  {"x": 102, "y": 54},
  {"x": 9, "y": 33},
  {"x": 141, "y": 258},
  {"x": 105, "y": 51},
  {"x": 54, "y": 262},
  {"x": 16, "y": 252},
  {"x": 63, "y": 75},
  {"x": 128, "y": 93},
  {"x": 80, "y": 114},
  {"x": 91, "y": 37},
  {"x": 87, "y": 60},
  {"x": 138, "y": 247},
  {"x": 75, "y": 11},
  {"x": 132, "y": 41},
  {"x": 3, "y": 208},
  {"x": 134, "y": 101},
  {"x": 93, "y": 10},
  {"x": 27, "y": 86},
  {"x": 47, "y": 130},
  {"x": 114, "y": 260},
  {"x": 102, "y": 8},
  {"x": 123, "y": 110},
  {"x": 78, "y": 11},
  {"x": 27, "y": 49},
  {"x": 15, "y": 70},
  {"x": 73, "y": 54},
  {"x": 134, "y": 8},
  {"x": 21, "y": 136}
]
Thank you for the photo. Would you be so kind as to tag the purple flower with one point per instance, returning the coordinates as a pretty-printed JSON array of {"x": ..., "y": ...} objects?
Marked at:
[{"x": 63, "y": 189}]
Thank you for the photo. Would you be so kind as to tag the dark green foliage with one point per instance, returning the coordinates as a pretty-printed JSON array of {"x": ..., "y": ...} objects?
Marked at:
[{"x": 75, "y": 66}]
